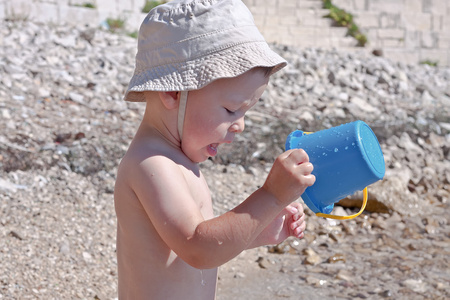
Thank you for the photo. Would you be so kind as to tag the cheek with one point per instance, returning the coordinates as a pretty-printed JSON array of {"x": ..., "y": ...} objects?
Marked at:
[{"x": 207, "y": 123}]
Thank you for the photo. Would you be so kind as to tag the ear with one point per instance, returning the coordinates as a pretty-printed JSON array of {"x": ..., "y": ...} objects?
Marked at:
[{"x": 170, "y": 100}]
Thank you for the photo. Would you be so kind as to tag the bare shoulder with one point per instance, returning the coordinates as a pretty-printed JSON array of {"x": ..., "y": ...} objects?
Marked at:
[
  {"x": 151, "y": 154},
  {"x": 157, "y": 172}
]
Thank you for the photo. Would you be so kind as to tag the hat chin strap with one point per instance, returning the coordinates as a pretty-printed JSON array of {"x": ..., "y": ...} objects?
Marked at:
[{"x": 181, "y": 113}]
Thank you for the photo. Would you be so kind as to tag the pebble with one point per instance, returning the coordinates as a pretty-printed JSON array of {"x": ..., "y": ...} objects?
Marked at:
[{"x": 311, "y": 257}]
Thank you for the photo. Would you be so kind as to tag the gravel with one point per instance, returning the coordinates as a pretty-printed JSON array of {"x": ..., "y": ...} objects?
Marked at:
[{"x": 64, "y": 128}]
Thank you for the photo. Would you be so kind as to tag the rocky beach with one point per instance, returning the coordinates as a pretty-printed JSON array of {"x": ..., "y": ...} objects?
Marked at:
[{"x": 64, "y": 128}]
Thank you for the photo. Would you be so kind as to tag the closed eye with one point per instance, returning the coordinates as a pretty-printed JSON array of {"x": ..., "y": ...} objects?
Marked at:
[{"x": 230, "y": 111}]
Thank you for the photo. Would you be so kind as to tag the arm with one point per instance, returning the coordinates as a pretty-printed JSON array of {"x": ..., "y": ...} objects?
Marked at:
[
  {"x": 290, "y": 222},
  {"x": 167, "y": 199}
]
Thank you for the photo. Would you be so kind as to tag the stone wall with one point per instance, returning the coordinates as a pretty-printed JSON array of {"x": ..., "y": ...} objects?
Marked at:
[
  {"x": 409, "y": 31},
  {"x": 406, "y": 30}
]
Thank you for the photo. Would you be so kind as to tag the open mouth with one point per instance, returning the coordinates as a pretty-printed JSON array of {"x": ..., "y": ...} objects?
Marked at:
[{"x": 212, "y": 149}]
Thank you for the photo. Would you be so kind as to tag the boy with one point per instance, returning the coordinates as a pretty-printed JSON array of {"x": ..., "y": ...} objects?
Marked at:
[{"x": 201, "y": 65}]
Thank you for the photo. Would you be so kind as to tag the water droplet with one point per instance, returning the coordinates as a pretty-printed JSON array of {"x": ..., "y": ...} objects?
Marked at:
[
  {"x": 346, "y": 147},
  {"x": 201, "y": 274},
  {"x": 336, "y": 149}
]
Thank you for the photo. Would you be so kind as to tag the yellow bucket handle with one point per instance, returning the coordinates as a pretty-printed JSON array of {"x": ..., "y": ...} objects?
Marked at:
[
  {"x": 365, "y": 197},
  {"x": 347, "y": 217}
]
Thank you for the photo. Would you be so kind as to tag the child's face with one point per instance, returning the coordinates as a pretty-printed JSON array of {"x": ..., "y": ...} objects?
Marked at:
[{"x": 215, "y": 113}]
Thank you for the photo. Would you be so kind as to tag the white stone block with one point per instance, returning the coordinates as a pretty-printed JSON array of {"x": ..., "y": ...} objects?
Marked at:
[
  {"x": 391, "y": 6},
  {"x": 388, "y": 20},
  {"x": 436, "y": 6},
  {"x": 344, "y": 4},
  {"x": 338, "y": 31},
  {"x": 360, "y": 5},
  {"x": 437, "y": 22},
  {"x": 44, "y": 13},
  {"x": 19, "y": 9},
  {"x": 272, "y": 21},
  {"x": 319, "y": 12},
  {"x": 443, "y": 41},
  {"x": 260, "y": 20},
  {"x": 2, "y": 10},
  {"x": 289, "y": 4},
  {"x": 74, "y": 15},
  {"x": 133, "y": 21},
  {"x": 322, "y": 42},
  {"x": 347, "y": 42},
  {"x": 414, "y": 21},
  {"x": 289, "y": 21},
  {"x": 413, "y": 6},
  {"x": 401, "y": 55},
  {"x": 309, "y": 4},
  {"x": 367, "y": 20},
  {"x": 428, "y": 39},
  {"x": 48, "y": 1},
  {"x": 304, "y": 31},
  {"x": 306, "y": 18},
  {"x": 306, "y": 41},
  {"x": 258, "y": 10},
  {"x": 285, "y": 38},
  {"x": 372, "y": 37},
  {"x": 79, "y": 3},
  {"x": 129, "y": 6},
  {"x": 138, "y": 5},
  {"x": 391, "y": 33},
  {"x": 107, "y": 7},
  {"x": 393, "y": 43},
  {"x": 284, "y": 12},
  {"x": 412, "y": 39},
  {"x": 438, "y": 55}
]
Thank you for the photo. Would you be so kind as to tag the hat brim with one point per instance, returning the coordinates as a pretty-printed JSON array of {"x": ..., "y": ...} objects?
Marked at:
[{"x": 199, "y": 72}]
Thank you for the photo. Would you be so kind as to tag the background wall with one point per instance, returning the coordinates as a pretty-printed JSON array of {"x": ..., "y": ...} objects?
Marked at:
[{"x": 408, "y": 31}]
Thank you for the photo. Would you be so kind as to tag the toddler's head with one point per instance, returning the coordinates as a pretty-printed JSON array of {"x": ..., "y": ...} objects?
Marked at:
[{"x": 186, "y": 44}]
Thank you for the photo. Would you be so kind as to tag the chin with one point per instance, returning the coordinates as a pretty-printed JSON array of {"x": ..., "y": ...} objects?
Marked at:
[
  {"x": 196, "y": 158},
  {"x": 200, "y": 160}
]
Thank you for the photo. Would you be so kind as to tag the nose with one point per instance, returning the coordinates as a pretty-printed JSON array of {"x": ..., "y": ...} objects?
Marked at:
[{"x": 238, "y": 126}]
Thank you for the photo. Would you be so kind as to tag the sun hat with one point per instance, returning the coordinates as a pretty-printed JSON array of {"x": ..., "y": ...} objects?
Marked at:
[{"x": 184, "y": 45}]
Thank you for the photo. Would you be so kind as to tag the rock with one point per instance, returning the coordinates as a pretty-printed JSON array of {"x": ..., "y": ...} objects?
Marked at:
[
  {"x": 312, "y": 258},
  {"x": 9, "y": 186},
  {"x": 344, "y": 275},
  {"x": 417, "y": 286},
  {"x": 338, "y": 257},
  {"x": 264, "y": 263}
]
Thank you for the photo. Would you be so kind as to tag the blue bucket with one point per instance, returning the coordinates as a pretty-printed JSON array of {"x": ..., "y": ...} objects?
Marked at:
[{"x": 346, "y": 159}]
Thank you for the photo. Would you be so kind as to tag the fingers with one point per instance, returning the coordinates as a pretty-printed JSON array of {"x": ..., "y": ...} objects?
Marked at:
[
  {"x": 298, "y": 225},
  {"x": 298, "y": 207},
  {"x": 297, "y": 156},
  {"x": 298, "y": 228},
  {"x": 300, "y": 159}
]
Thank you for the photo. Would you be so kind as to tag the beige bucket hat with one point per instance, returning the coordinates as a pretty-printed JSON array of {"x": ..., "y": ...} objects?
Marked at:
[{"x": 186, "y": 44}]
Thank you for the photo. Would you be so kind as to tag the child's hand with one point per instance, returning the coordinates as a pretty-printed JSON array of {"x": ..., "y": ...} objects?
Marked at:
[
  {"x": 296, "y": 220},
  {"x": 290, "y": 176},
  {"x": 290, "y": 222}
]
